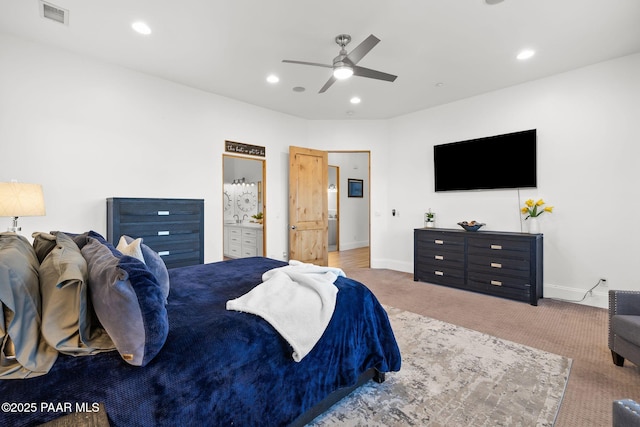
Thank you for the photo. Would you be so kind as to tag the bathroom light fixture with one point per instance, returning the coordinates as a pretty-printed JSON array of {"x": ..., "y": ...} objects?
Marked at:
[
  {"x": 19, "y": 199},
  {"x": 272, "y": 78},
  {"x": 243, "y": 182}
]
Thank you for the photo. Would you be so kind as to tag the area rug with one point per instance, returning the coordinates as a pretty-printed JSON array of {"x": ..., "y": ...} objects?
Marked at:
[{"x": 453, "y": 376}]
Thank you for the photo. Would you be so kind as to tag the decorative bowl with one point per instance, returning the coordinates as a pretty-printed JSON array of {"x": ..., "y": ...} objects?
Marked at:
[{"x": 471, "y": 226}]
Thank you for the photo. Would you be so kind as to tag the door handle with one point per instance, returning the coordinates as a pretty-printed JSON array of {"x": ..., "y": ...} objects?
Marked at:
[{"x": 293, "y": 227}]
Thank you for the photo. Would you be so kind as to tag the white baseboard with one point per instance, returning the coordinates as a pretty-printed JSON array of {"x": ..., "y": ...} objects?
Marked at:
[
  {"x": 599, "y": 296},
  {"x": 353, "y": 245},
  {"x": 406, "y": 267}
]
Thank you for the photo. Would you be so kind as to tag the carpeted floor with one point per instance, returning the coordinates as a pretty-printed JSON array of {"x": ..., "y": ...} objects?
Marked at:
[
  {"x": 454, "y": 376},
  {"x": 571, "y": 330}
]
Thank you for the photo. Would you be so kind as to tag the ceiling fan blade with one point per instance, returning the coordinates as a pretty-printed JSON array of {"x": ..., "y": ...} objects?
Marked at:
[
  {"x": 315, "y": 64},
  {"x": 328, "y": 84},
  {"x": 362, "y": 49},
  {"x": 373, "y": 74}
]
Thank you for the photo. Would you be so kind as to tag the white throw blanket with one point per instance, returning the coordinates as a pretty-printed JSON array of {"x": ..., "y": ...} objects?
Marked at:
[{"x": 298, "y": 300}]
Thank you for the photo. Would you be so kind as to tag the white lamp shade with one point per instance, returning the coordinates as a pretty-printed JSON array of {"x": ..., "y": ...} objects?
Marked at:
[{"x": 20, "y": 199}]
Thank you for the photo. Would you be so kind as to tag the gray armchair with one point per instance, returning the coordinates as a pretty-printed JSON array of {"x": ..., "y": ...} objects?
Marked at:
[
  {"x": 626, "y": 413},
  {"x": 624, "y": 326}
]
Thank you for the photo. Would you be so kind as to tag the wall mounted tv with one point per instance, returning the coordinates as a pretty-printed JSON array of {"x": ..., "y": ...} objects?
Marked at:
[{"x": 501, "y": 161}]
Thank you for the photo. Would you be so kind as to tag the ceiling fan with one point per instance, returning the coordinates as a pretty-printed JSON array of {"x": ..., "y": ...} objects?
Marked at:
[{"x": 344, "y": 65}]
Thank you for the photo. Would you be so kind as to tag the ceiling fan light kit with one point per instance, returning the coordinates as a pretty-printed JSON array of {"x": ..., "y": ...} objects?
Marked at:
[
  {"x": 342, "y": 72},
  {"x": 344, "y": 65}
]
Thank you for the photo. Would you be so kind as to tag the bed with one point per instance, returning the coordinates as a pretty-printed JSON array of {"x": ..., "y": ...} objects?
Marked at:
[{"x": 217, "y": 366}]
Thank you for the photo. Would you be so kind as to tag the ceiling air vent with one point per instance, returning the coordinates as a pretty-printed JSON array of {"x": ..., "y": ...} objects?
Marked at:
[{"x": 53, "y": 12}]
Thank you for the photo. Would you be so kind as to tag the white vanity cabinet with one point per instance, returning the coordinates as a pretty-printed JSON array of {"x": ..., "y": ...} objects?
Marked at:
[{"x": 242, "y": 241}]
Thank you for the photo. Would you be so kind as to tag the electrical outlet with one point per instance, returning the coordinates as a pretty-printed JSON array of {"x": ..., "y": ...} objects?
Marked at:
[{"x": 604, "y": 282}]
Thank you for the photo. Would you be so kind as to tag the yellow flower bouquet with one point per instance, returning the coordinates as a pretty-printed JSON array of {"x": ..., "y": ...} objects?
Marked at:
[{"x": 535, "y": 209}]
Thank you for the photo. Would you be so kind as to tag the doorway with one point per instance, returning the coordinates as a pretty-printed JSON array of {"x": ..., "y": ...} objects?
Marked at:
[
  {"x": 243, "y": 201},
  {"x": 353, "y": 209},
  {"x": 309, "y": 208}
]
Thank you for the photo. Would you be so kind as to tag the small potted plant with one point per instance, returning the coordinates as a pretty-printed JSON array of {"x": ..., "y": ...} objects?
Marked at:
[
  {"x": 430, "y": 219},
  {"x": 258, "y": 217}
]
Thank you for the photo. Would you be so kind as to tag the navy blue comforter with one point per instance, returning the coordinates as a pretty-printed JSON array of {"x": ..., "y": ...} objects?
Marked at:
[{"x": 217, "y": 367}]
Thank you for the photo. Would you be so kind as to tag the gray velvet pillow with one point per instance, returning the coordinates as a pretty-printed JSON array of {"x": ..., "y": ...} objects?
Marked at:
[
  {"x": 68, "y": 321},
  {"x": 155, "y": 264},
  {"x": 20, "y": 301},
  {"x": 127, "y": 300}
]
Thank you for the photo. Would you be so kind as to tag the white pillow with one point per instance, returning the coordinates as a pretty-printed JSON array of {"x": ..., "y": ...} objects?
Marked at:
[{"x": 132, "y": 249}]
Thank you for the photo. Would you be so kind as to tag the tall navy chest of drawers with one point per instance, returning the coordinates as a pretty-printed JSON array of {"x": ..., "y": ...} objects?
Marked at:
[
  {"x": 497, "y": 263},
  {"x": 174, "y": 228}
]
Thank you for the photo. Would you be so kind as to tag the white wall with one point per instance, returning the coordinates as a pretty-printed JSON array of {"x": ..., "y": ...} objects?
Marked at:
[
  {"x": 588, "y": 151},
  {"x": 88, "y": 131}
]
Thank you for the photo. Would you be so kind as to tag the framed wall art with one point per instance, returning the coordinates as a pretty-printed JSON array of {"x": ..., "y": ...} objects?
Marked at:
[{"x": 354, "y": 187}]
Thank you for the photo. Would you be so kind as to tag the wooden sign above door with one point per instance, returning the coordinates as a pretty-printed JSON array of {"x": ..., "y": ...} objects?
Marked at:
[{"x": 239, "y": 147}]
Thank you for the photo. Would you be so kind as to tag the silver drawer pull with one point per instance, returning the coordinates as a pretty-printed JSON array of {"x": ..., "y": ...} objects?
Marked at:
[
  {"x": 498, "y": 247},
  {"x": 496, "y": 283},
  {"x": 163, "y": 213},
  {"x": 439, "y": 242},
  {"x": 438, "y": 273},
  {"x": 496, "y": 265},
  {"x": 163, "y": 233},
  {"x": 440, "y": 257},
  {"x": 163, "y": 253}
]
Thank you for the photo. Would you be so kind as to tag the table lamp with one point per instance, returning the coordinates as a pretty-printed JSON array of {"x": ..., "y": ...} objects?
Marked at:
[{"x": 19, "y": 199}]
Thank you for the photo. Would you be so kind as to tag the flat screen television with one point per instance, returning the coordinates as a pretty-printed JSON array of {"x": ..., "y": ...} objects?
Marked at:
[{"x": 501, "y": 161}]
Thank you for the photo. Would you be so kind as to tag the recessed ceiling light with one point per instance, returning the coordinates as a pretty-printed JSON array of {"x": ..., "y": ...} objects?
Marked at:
[
  {"x": 439, "y": 84},
  {"x": 492, "y": 2},
  {"x": 298, "y": 89},
  {"x": 355, "y": 100},
  {"x": 272, "y": 78},
  {"x": 526, "y": 54},
  {"x": 141, "y": 27}
]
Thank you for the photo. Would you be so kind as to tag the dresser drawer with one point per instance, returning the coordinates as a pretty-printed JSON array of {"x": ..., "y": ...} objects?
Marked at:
[
  {"x": 440, "y": 275},
  {"x": 508, "y": 287},
  {"x": 500, "y": 247},
  {"x": 435, "y": 241},
  {"x": 442, "y": 260},
  {"x": 489, "y": 280},
  {"x": 180, "y": 258},
  {"x": 430, "y": 249},
  {"x": 151, "y": 210},
  {"x": 502, "y": 266},
  {"x": 161, "y": 229}
]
